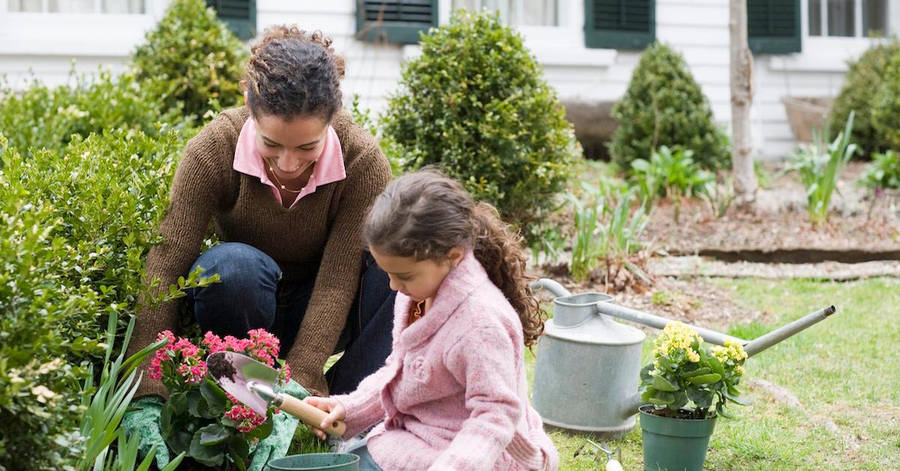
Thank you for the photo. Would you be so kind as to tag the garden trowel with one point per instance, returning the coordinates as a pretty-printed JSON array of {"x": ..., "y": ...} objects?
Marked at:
[{"x": 252, "y": 383}]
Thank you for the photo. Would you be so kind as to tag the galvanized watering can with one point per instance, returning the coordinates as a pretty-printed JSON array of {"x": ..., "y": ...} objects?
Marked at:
[{"x": 588, "y": 366}]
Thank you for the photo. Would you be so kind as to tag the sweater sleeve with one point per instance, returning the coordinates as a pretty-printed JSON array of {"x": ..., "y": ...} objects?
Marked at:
[
  {"x": 195, "y": 192},
  {"x": 484, "y": 360},
  {"x": 338, "y": 279},
  {"x": 363, "y": 406}
]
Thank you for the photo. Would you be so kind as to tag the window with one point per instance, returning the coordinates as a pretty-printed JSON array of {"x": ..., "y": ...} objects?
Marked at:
[
  {"x": 848, "y": 18},
  {"x": 619, "y": 24},
  {"x": 394, "y": 21},
  {"x": 773, "y": 26},
  {"x": 516, "y": 12},
  {"x": 78, "y": 6},
  {"x": 239, "y": 15}
]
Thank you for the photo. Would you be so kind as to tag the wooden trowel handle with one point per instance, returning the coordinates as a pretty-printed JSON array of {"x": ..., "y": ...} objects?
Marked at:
[{"x": 310, "y": 415}]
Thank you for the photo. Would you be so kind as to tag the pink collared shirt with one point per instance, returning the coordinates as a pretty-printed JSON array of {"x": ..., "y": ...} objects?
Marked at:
[{"x": 329, "y": 166}]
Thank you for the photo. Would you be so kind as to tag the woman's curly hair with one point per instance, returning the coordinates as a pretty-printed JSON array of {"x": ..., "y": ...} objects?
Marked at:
[
  {"x": 293, "y": 73},
  {"x": 425, "y": 214}
]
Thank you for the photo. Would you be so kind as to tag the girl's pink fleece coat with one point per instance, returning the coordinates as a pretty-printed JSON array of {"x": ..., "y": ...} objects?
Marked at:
[{"x": 453, "y": 394}]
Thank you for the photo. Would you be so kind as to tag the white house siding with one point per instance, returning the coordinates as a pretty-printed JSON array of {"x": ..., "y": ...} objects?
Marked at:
[
  {"x": 698, "y": 29},
  {"x": 47, "y": 46}
]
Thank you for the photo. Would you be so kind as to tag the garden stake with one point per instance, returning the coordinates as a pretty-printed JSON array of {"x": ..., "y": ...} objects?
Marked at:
[{"x": 588, "y": 366}]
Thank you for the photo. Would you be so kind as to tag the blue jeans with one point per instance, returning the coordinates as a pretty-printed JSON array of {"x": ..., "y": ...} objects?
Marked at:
[
  {"x": 252, "y": 295},
  {"x": 360, "y": 448},
  {"x": 366, "y": 462}
]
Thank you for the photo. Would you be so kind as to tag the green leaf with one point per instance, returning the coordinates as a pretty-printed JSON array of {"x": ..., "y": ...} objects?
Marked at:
[
  {"x": 706, "y": 379},
  {"x": 715, "y": 364},
  {"x": 699, "y": 371},
  {"x": 702, "y": 398},
  {"x": 645, "y": 373},
  {"x": 737, "y": 400},
  {"x": 239, "y": 451},
  {"x": 213, "y": 455},
  {"x": 213, "y": 434},
  {"x": 215, "y": 397},
  {"x": 663, "y": 384},
  {"x": 662, "y": 399}
]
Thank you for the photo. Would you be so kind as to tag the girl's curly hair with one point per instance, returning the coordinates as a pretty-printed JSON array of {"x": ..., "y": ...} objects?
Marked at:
[
  {"x": 293, "y": 73},
  {"x": 425, "y": 214}
]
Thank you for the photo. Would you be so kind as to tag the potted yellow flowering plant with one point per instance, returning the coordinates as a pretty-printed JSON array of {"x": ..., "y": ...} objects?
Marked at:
[{"x": 684, "y": 389}]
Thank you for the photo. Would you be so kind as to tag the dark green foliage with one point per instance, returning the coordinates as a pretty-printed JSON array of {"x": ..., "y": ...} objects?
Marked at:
[
  {"x": 886, "y": 106},
  {"x": 475, "y": 104},
  {"x": 42, "y": 117},
  {"x": 75, "y": 228},
  {"x": 664, "y": 105},
  {"x": 864, "y": 82},
  {"x": 84, "y": 180},
  {"x": 883, "y": 172},
  {"x": 44, "y": 322},
  {"x": 191, "y": 62}
]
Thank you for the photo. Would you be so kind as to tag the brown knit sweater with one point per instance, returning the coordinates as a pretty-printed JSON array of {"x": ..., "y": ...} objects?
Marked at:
[{"x": 323, "y": 225}]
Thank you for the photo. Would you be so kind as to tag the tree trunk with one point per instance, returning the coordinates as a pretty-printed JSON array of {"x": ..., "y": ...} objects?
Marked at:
[{"x": 741, "y": 98}]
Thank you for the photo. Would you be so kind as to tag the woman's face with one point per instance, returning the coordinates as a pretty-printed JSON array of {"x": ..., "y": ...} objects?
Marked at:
[
  {"x": 418, "y": 279},
  {"x": 289, "y": 146}
]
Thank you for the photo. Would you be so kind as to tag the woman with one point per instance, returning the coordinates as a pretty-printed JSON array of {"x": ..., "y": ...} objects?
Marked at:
[{"x": 286, "y": 182}]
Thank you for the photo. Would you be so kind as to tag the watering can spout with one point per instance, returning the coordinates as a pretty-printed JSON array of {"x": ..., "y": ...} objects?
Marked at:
[{"x": 761, "y": 343}]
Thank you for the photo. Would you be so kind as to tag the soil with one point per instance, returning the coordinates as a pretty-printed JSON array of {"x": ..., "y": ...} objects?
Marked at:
[{"x": 860, "y": 227}]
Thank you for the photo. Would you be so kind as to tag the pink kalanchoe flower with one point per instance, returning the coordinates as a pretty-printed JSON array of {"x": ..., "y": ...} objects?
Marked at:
[
  {"x": 167, "y": 334},
  {"x": 284, "y": 373},
  {"x": 244, "y": 418},
  {"x": 155, "y": 369},
  {"x": 213, "y": 342}
]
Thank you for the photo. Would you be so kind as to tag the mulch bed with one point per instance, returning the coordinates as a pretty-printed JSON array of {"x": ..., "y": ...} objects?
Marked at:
[{"x": 859, "y": 228}]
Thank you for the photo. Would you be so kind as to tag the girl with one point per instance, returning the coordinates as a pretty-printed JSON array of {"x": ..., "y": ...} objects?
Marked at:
[{"x": 452, "y": 394}]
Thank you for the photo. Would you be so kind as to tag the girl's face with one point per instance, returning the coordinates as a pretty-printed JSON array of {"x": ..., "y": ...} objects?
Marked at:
[
  {"x": 418, "y": 279},
  {"x": 290, "y": 146}
]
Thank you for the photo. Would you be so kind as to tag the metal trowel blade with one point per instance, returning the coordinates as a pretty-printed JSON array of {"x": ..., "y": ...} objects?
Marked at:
[{"x": 234, "y": 370}]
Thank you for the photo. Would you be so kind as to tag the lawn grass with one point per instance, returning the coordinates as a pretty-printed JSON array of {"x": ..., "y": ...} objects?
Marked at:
[{"x": 845, "y": 371}]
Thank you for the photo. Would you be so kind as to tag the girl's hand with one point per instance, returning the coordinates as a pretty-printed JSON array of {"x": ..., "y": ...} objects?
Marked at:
[{"x": 335, "y": 409}]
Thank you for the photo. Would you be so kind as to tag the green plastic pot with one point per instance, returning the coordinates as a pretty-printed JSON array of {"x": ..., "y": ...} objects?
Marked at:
[
  {"x": 674, "y": 444},
  {"x": 317, "y": 462}
]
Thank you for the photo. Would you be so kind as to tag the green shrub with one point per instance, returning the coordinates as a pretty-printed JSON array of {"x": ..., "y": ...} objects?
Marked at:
[
  {"x": 192, "y": 62},
  {"x": 475, "y": 105},
  {"x": 108, "y": 193},
  {"x": 886, "y": 106},
  {"x": 664, "y": 106},
  {"x": 45, "y": 324},
  {"x": 42, "y": 117},
  {"x": 862, "y": 85},
  {"x": 883, "y": 172},
  {"x": 76, "y": 226}
]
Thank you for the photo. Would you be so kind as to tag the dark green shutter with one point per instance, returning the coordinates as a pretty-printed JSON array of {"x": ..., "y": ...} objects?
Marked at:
[
  {"x": 239, "y": 15},
  {"x": 619, "y": 24},
  {"x": 396, "y": 21},
  {"x": 773, "y": 26}
]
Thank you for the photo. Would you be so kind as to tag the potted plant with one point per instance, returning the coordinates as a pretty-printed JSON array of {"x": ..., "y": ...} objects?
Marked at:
[
  {"x": 200, "y": 419},
  {"x": 685, "y": 388}
]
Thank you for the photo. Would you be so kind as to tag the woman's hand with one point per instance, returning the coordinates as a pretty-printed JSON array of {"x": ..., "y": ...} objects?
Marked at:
[{"x": 335, "y": 409}]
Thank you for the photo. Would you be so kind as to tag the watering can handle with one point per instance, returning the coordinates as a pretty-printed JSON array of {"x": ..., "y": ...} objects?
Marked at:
[{"x": 310, "y": 415}]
